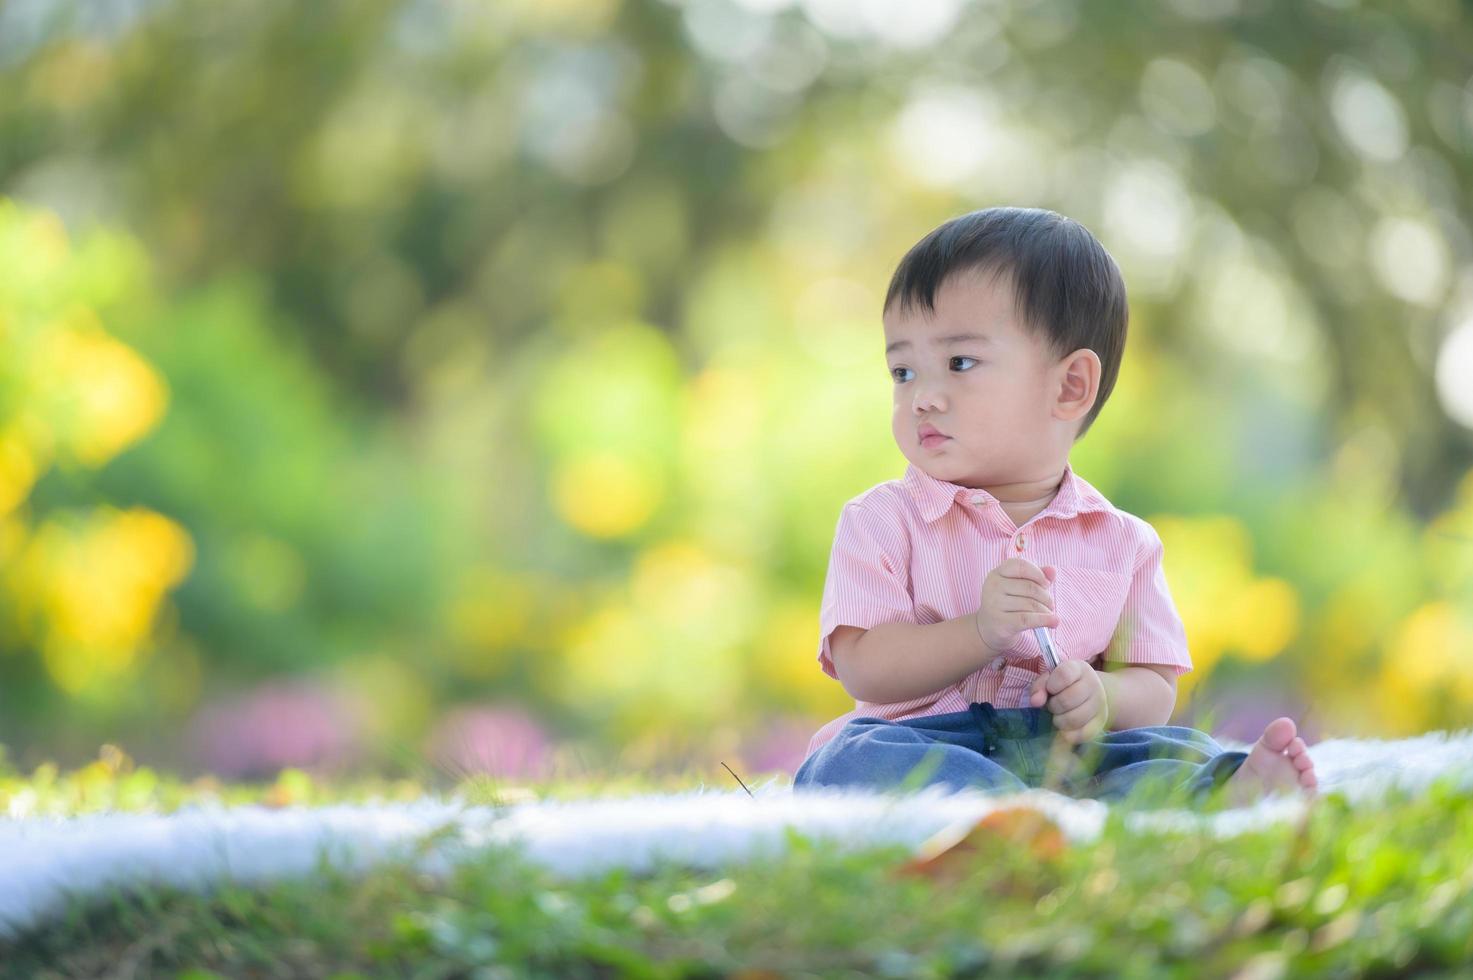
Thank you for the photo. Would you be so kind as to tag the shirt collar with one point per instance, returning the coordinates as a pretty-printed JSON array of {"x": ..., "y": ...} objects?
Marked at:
[{"x": 935, "y": 497}]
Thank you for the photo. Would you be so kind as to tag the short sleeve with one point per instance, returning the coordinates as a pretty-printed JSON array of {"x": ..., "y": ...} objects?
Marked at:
[
  {"x": 868, "y": 581},
  {"x": 1150, "y": 630}
]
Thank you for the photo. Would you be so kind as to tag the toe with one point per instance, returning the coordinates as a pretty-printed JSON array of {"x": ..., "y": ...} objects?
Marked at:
[
  {"x": 1303, "y": 762},
  {"x": 1297, "y": 746},
  {"x": 1279, "y": 733}
]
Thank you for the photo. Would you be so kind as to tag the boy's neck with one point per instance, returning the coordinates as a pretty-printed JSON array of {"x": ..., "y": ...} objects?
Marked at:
[{"x": 1023, "y": 500}]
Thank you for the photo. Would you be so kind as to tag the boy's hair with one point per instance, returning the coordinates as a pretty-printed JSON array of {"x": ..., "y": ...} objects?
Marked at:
[{"x": 1066, "y": 285}]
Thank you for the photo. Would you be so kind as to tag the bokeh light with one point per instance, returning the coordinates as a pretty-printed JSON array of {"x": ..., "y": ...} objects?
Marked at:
[{"x": 452, "y": 384}]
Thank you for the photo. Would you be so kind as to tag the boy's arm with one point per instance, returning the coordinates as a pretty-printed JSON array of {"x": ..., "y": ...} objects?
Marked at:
[
  {"x": 1138, "y": 696},
  {"x": 895, "y": 662},
  {"x": 1149, "y": 649}
]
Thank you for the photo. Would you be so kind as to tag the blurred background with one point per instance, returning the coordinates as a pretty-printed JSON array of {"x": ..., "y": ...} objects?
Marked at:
[{"x": 435, "y": 385}]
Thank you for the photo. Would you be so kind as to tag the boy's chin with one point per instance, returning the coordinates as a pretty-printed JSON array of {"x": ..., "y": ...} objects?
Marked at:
[
  {"x": 949, "y": 470},
  {"x": 938, "y": 466}
]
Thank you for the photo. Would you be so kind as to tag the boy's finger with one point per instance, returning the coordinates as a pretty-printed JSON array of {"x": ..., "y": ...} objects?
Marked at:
[
  {"x": 1024, "y": 589},
  {"x": 1037, "y": 695},
  {"x": 1062, "y": 676},
  {"x": 1075, "y": 718},
  {"x": 1069, "y": 698},
  {"x": 1024, "y": 569},
  {"x": 1019, "y": 604},
  {"x": 1032, "y": 620}
]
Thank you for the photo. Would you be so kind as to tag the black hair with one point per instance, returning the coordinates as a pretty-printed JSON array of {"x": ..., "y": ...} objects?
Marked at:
[{"x": 1066, "y": 286}]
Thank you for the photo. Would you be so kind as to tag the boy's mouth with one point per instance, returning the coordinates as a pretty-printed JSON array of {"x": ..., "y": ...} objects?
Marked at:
[{"x": 930, "y": 436}]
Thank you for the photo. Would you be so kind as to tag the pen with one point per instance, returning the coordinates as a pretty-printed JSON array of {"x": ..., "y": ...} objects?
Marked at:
[{"x": 1046, "y": 644}]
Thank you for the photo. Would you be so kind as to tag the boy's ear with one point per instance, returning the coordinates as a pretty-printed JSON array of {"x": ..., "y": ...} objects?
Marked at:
[{"x": 1079, "y": 385}]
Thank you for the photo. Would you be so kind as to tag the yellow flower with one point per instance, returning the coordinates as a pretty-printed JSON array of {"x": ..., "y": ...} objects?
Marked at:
[
  {"x": 1223, "y": 606},
  {"x": 1428, "y": 666},
  {"x": 111, "y": 397},
  {"x": 98, "y": 586},
  {"x": 606, "y": 494}
]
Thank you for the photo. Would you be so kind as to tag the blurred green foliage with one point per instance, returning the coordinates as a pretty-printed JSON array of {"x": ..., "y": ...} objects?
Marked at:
[
  {"x": 1377, "y": 884},
  {"x": 454, "y": 351}
]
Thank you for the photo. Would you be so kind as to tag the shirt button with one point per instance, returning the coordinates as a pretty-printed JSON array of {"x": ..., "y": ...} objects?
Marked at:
[
  {"x": 997, "y": 663},
  {"x": 1021, "y": 542},
  {"x": 979, "y": 499}
]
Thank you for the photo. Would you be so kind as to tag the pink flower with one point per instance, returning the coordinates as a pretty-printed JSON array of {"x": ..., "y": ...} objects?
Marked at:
[
  {"x": 279, "y": 724},
  {"x": 1243, "y": 713},
  {"x": 502, "y": 741},
  {"x": 779, "y": 747}
]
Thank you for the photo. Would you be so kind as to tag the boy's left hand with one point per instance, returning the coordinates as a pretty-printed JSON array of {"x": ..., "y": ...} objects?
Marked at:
[{"x": 1075, "y": 694}]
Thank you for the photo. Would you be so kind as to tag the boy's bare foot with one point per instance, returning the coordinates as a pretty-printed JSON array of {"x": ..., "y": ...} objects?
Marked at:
[{"x": 1278, "y": 762}]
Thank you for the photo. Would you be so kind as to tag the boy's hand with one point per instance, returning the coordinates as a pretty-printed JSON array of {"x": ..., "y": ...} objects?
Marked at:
[
  {"x": 1076, "y": 696},
  {"x": 1015, "y": 598}
]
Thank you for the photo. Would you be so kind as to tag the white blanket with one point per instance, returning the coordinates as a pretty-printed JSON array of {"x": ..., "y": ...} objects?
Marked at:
[{"x": 43, "y": 860}]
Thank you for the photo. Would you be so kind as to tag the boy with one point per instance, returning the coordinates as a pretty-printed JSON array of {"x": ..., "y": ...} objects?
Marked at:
[{"x": 1004, "y": 331}]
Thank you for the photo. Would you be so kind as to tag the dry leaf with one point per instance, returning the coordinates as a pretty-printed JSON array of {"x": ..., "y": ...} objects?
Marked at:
[
  {"x": 277, "y": 796},
  {"x": 951, "y": 850}
]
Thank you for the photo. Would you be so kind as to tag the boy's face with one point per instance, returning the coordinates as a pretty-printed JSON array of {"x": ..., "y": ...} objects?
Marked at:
[{"x": 992, "y": 399}]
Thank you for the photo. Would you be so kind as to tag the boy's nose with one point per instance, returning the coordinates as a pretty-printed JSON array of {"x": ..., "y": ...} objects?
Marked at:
[{"x": 924, "y": 402}]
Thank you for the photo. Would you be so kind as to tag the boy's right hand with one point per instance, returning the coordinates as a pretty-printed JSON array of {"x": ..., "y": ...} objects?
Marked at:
[{"x": 1015, "y": 598}]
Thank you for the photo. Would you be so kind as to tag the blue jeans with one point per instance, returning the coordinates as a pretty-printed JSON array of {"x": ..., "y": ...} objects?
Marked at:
[{"x": 1007, "y": 750}]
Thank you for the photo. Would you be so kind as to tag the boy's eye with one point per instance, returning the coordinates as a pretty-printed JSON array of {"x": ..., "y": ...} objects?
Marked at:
[{"x": 959, "y": 357}]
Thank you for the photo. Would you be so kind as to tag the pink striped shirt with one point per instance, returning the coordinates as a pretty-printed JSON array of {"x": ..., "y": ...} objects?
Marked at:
[{"x": 916, "y": 550}]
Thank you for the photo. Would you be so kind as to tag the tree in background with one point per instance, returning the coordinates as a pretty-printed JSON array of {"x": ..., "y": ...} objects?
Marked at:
[{"x": 530, "y": 350}]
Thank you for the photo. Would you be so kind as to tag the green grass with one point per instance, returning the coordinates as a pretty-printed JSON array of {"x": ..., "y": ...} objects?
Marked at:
[{"x": 1384, "y": 890}]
